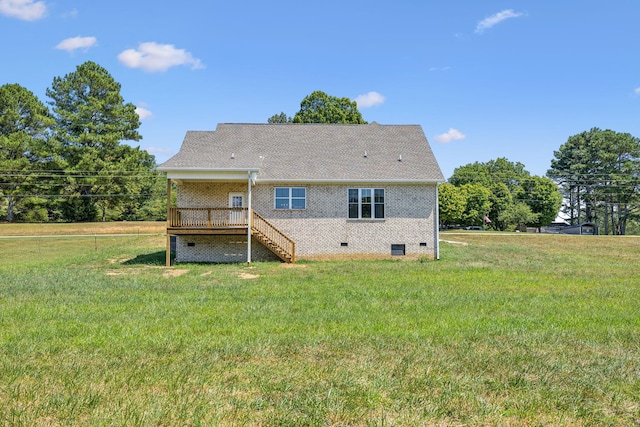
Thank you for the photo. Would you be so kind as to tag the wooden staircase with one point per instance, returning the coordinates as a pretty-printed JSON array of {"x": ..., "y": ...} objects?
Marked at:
[{"x": 273, "y": 239}]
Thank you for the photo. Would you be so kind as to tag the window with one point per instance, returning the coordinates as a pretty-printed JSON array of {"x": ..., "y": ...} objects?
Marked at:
[
  {"x": 291, "y": 198},
  {"x": 366, "y": 203},
  {"x": 397, "y": 250}
]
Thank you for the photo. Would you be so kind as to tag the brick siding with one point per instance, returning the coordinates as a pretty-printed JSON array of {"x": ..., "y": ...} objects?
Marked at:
[
  {"x": 232, "y": 248},
  {"x": 322, "y": 228}
]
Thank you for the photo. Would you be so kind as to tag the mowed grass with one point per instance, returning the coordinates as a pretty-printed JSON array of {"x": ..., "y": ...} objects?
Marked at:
[{"x": 509, "y": 329}]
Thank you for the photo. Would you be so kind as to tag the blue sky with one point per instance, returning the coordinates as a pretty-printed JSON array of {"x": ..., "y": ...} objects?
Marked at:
[{"x": 484, "y": 79}]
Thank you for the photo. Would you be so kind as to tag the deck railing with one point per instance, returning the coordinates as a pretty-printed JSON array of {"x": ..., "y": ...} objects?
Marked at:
[
  {"x": 207, "y": 217},
  {"x": 223, "y": 218}
]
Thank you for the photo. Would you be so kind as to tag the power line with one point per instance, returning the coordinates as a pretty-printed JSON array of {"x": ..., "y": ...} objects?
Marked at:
[{"x": 72, "y": 196}]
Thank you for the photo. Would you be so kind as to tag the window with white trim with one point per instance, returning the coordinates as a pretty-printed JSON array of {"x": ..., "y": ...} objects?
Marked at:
[
  {"x": 366, "y": 203},
  {"x": 290, "y": 198}
]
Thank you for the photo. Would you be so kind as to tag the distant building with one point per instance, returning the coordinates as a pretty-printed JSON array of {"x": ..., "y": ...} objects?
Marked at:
[{"x": 586, "y": 228}]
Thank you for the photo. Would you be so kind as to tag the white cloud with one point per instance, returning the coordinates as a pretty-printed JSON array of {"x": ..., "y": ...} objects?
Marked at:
[
  {"x": 637, "y": 91},
  {"x": 451, "y": 135},
  {"x": 74, "y": 43},
  {"x": 27, "y": 10},
  {"x": 152, "y": 57},
  {"x": 370, "y": 99},
  {"x": 496, "y": 19},
  {"x": 143, "y": 113},
  {"x": 73, "y": 13}
]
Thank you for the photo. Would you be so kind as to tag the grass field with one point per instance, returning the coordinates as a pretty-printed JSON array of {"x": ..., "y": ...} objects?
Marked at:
[{"x": 511, "y": 329}]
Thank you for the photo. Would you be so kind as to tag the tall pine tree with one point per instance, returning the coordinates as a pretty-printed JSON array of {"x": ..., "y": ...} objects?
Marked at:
[
  {"x": 92, "y": 120},
  {"x": 24, "y": 135}
]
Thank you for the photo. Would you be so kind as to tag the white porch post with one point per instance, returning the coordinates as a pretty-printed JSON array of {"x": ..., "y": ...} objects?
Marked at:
[{"x": 252, "y": 176}]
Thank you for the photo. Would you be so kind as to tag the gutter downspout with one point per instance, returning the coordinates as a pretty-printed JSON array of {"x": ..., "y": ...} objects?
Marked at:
[
  {"x": 168, "y": 254},
  {"x": 437, "y": 223}
]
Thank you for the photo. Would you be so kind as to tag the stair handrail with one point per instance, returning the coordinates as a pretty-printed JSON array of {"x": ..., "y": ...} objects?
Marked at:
[{"x": 271, "y": 232}]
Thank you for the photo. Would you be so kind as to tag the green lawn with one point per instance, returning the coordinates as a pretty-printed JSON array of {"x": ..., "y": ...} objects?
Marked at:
[{"x": 511, "y": 329}]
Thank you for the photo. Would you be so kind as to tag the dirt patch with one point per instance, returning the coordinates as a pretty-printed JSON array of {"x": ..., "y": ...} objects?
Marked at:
[
  {"x": 453, "y": 242},
  {"x": 134, "y": 271},
  {"x": 174, "y": 273},
  {"x": 244, "y": 275},
  {"x": 119, "y": 260},
  {"x": 289, "y": 265}
]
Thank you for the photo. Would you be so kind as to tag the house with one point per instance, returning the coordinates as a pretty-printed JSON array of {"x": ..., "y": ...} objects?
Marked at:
[{"x": 286, "y": 191}]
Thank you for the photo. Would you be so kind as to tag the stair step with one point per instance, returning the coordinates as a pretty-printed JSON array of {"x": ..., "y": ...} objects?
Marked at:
[{"x": 273, "y": 246}]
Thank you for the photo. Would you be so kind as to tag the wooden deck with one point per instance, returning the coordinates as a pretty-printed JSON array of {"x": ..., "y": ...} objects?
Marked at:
[
  {"x": 198, "y": 221},
  {"x": 220, "y": 221}
]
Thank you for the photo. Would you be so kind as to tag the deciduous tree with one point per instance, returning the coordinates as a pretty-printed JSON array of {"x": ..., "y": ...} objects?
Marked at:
[
  {"x": 510, "y": 183},
  {"x": 478, "y": 203},
  {"x": 452, "y": 203},
  {"x": 518, "y": 215},
  {"x": 318, "y": 107},
  {"x": 501, "y": 199},
  {"x": 542, "y": 196},
  {"x": 279, "y": 118}
]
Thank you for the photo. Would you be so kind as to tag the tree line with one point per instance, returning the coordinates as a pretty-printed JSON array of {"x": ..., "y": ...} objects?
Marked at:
[
  {"x": 69, "y": 162},
  {"x": 599, "y": 174},
  {"x": 499, "y": 195},
  {"x": 594, "y": 177}
]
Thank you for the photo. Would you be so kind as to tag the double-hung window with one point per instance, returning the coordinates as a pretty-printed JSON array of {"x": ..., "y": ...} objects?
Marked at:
[
  {"x": 290, "y": 198},
  {"x": 365, "y": 203}
]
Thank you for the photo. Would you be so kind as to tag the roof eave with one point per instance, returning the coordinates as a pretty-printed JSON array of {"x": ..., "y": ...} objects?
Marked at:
[
  {"x": 207, "y": 173},
  {"x": 349, "y": 181}
]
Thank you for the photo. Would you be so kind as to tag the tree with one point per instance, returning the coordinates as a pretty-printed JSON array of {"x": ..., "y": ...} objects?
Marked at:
[
  {"x": 451, "y": 203},
  {"x": 24, "y": 130},
  {"x": 129, "y": 179},
  {"x": 543, "y": 198},
  {"x": 518, "y": 215},
  {"x": 493, "y": 171},
  {"x": 501, "y": 199},
  {"x": 599, "y": 173},
  {"x": 477, "y": 204},
  {"x": 91, "y": 121},
  {"x": 510, "y": 183},
  {"x": 318, "y": 107},
  {"x": 155, "y": 208},
  {"x": 279, "y": 118}
]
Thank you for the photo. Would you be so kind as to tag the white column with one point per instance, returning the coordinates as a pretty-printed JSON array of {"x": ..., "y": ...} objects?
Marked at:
[{"x": 249, "y": 215}]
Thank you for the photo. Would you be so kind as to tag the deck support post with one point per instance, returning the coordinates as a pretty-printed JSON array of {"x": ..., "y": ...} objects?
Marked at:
[{"x": 252, "y": 177}]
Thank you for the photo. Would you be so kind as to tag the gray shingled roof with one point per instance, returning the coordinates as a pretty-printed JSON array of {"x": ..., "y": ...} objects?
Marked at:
[{"x": 300, "y": 152}]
